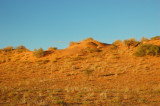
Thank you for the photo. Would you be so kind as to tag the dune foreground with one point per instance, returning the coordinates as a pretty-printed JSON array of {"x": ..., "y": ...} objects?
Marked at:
[{"x": 86, "y": 73}]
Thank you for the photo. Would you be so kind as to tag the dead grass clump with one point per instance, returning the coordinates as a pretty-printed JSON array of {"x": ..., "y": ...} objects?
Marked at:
[
  {"x": 38, "y": 53},
  {"x": 131, "y": 42},
  {"x": 8, "y": 49},
  {"x": 155, "y": 38},
  {"x": 147, "y": 49}
]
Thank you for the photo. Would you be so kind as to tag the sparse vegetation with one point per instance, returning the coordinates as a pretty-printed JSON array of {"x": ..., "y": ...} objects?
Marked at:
[
  {"x": 52, "y": 48},
  {"x": 144, "y": 39},
  {"x": 78, "y": 77},
  {"x": 88, "y": 72},
  {"x": 117, "y": 42},
  {"x": 8, "y": 49},
  {"x": 73, "y": 43},
  {"x": 21, "y": 48},
  {"x": 91, "y": 50},
  {"x": 38, "y": 53},
  {"x": 131, "y": 42},
  {"x": 147, "y": 49},
  {"x": 155, "y": 38}
]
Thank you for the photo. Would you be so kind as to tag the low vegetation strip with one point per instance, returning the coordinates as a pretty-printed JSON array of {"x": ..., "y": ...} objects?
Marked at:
[{"x": 147, "y": 49}]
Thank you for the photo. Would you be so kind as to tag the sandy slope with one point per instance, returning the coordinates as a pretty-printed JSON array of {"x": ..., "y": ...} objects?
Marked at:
[{"x": 88, "y": 73}]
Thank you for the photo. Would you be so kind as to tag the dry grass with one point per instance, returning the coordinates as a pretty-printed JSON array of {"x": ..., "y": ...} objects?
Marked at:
[{"x": 110, "y": 77}]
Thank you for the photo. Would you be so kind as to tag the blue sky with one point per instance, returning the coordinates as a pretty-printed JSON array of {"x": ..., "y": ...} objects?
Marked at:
[{"x": 44, "y": 23}]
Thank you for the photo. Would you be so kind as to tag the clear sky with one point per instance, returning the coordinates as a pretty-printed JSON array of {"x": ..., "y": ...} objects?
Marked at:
[{"x": 45, "y": 23}]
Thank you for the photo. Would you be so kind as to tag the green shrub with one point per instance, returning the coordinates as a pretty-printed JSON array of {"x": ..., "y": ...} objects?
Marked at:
[
  {"x": 131, "y": 42},
  {"x": 38, "y": 53},
  {"x": 52, "y": 48},
  {"x": 147, "y": 49},
  {"x": 8, "y": 49},
  {"x": 155, "y": 38}
]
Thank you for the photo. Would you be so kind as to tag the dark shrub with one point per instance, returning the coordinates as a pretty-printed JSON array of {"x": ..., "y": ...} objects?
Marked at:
[{"x": 147, "y": 49}]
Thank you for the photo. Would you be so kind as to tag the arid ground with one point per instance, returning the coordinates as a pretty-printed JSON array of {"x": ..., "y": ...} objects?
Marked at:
[{"x": 86, "y": 73}]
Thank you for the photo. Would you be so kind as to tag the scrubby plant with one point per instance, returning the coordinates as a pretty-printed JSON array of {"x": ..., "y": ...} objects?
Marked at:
[
  {"x": 147, "y": 49},
  {"x": 117, "y": 42},
  {"x": 21, "y": 48},
  {"x": 131, "y": 42},
  {"x": 38, "y": 53},
  {"x": 52, "y": 48},
  {"x": 73, "y": 43},
  {"x": 155, "y": 38},
  {"x": 8, "y": 49}
]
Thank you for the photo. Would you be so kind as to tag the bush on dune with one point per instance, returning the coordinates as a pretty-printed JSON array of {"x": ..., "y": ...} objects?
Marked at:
[
  {"x": 147, "y": 49},
  {"x": 131, "y": 42},
  {"x": 21, "y": 48},
  {"x": 155, "y": 38},
  {"x": 52, "y": 48},
  {"x": 8, "y": 49},
  {"x": 38, "y": 53}
]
